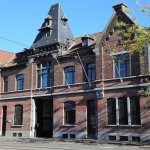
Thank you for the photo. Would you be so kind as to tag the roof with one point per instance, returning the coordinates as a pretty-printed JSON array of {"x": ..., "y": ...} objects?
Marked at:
[
  {"x": 59, "y": 30},
  {"x": 5, "y": 57},
  {"x": 78, "y": 41}
]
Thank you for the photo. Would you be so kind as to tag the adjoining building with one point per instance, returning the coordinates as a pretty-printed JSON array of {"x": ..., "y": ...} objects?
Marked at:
[{"x": 67, "y": 87}]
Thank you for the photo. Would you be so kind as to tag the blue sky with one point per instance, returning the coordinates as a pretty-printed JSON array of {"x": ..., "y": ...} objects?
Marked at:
[{"x": 20, "y": 19}]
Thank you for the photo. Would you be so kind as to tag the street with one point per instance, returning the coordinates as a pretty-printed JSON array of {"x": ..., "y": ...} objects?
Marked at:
[{"x": 45, "y": 144}]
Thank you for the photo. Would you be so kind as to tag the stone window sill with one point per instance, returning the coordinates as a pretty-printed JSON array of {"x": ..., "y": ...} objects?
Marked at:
[{"x": 17, "y": 126}]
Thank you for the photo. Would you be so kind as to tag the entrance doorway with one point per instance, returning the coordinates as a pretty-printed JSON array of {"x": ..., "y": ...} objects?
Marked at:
[
  {"x": 4, "y": 118},
  {"x": 44, "y": 118},
  {"x": 91, "y": 119}
]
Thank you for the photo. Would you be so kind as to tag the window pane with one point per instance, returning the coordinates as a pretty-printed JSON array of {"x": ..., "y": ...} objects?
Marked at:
[
  {"x": 44, "y": 74},
  {"x": 91, "y": 72},
  {"x": 122, "y": 65},
  {"x": 18, "y": 115},
  {"x": 123, "y": 112},
  {"x": 20, "y": 82},
  {"x": 135, "y": 111},
  {"x": 69, "y": 112},
  {"x": 70, "y": 75},
  {"x": 111, "y": 108},
  {"x": 6, "y": 84},
  {"x": 116, "y": 69}
]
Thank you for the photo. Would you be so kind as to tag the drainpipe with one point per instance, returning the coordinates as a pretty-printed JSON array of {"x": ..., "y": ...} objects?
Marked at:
[{"x": 32, "y": 120}]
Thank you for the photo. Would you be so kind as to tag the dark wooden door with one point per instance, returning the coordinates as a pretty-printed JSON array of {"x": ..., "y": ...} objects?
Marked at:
[
  {"x": 4, "y": 118},
  {"x": 44, "y": 112},
  {"x": 91, "y": 119}
]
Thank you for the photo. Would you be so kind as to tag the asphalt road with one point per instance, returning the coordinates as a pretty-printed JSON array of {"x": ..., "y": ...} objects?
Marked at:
[{"x": 41, "y": 144}]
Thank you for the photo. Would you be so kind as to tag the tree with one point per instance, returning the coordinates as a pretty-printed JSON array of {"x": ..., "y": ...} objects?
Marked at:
[
  {"x": 143, "y": 7},
  {"x": 135, "y": 38}
]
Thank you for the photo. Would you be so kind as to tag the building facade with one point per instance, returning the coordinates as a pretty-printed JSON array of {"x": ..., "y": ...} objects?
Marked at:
[{"x": 67, "y": 87}]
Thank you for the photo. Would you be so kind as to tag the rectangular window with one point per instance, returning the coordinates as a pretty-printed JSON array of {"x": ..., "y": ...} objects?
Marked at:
[
  {"x": 5, "y": 84},
  {"x": 122, "y": 65},
  {"x": 111, "y": 107},
  {"x": 18, "y": 115},
  {"x": 69, "y": 113},
  {"x": 44, "y": 74},
  {"x": 128, "y": 109},
  {"x": 69, "y": 75},
  {"x": 123, "y": 111},
  {"x": 135, "y": 111},
  {"x": 20, "y": 82},
  {"x": 91, "y": 72}
]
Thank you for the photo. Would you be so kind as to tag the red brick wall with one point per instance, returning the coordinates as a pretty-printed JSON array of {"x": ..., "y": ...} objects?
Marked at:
[
  {"x": 10, "y": 114},
  {"x": 81, "y": 112}
]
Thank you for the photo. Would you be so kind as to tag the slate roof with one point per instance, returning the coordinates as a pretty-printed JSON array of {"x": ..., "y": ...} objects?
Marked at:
[{"x": 60, "y": 32}]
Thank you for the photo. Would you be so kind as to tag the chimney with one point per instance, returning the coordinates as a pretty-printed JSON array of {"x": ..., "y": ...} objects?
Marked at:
[{"x": 118, "y": 7}]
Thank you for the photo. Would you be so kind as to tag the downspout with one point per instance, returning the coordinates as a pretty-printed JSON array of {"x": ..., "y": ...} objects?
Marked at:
[{"x": 31, "y": 60}]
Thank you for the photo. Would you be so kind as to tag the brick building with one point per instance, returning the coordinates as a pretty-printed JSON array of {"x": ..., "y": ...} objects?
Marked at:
[{"x": 67, "y": 87}]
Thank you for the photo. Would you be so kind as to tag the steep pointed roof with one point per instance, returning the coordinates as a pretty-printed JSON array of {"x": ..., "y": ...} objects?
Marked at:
[{"x": 56, "y": 31}]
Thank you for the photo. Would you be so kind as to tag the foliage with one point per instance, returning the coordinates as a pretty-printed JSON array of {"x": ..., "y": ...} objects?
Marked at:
[
  {"x": 145, "y": 91},
  {"x": 145, "y": 8},
  {"x": 133, "y": 37}
]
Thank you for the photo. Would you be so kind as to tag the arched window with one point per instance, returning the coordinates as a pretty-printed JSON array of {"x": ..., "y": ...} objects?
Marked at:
[
  {"x": 69, "y": 112},
  {"x": 20, "y": 81},
  {"x": 18, "y": 115},
  {"x": 91, "y": 71},
  {"x": 69, "y": 75}
]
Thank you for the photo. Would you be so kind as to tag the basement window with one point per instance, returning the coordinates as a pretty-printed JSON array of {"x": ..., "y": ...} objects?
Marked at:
[{"x": 112, "y": 138}]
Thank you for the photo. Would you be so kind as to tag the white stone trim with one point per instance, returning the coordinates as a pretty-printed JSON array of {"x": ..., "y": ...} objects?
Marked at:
[
  {"x": 81, "y": 91},
  {"x": 105, "y": 136},
  {"x": 79, "y": 135},
  {"x": 117, "y": 112},
  {"x": 129, "y": 110},
  {"x": 24, "y": 133}
]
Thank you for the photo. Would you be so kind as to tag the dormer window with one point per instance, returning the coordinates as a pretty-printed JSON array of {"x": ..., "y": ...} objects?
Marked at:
[
  {"x": 64, "y": 20},
  {"x": 48, "y": 21},
  {"x": 87, "y": 40}
]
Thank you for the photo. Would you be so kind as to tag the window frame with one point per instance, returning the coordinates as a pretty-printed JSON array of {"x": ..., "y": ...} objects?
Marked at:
[
  {"x": 91, "y": 72},
  {"x": 69, "y": 72},
  {"x": 129, "y": 111},
  {"x": 41, "y": 75},
  {"x": 6, "y": 84},
  {"x": 69, "y": 114},
  {"x": 20, "y": 122},
  {"x": 123, "y": 66},
  {"x": 20, "y": 82}
]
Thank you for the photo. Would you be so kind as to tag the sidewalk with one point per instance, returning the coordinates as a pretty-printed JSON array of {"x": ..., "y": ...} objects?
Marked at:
[{"x": 81, "y": 141}]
